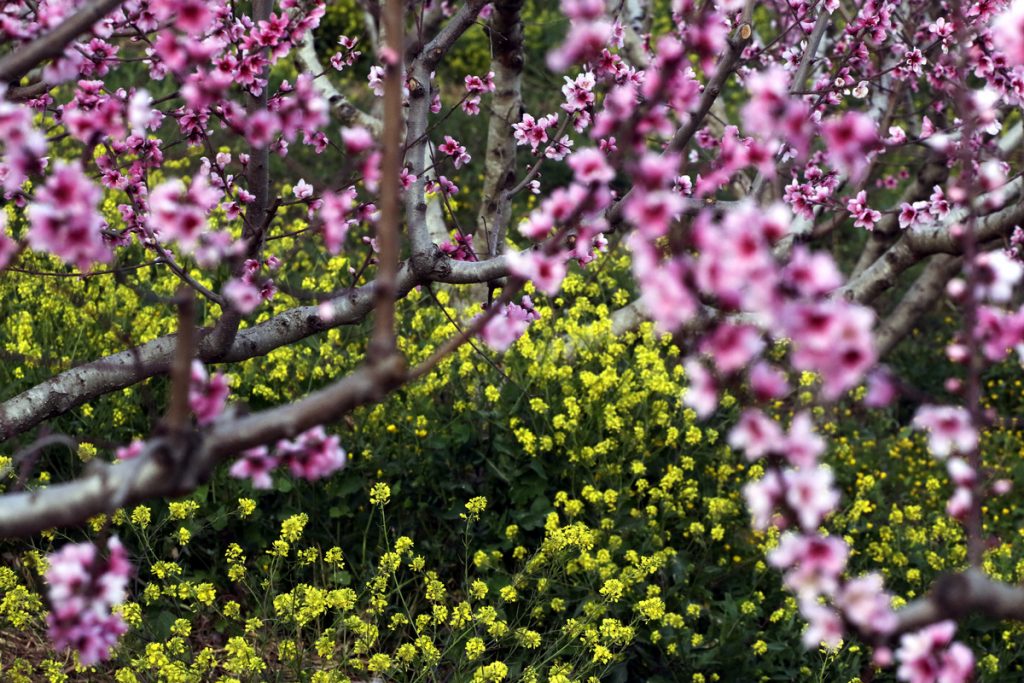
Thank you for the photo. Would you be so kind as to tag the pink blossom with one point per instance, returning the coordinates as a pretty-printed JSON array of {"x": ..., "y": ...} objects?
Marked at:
[
  {"x": 82, "y": 590},
  {"x": 960, "y": 504},
  {"x": 262, "y": 127},
  {"x": 356, "y": 139},
  {"x": 731, "y": 346},
  {"x": 702, "y": 393},
  {"x": 664, "y": 293},
  {"x": 584, "y": 43},
  {"x": 533, "y": 132},
  {"x": 960, "y": 473},
  {"x": 508, "y": 325},
  {"x": 312, "y": 455},
  {"x": 653, "y": 212},
  {"x": 755, "y": 434},
  {"x": 583, "y": 10},
  {"x": 850, "y": 139},
  {"x": 8, "y": 247},
  {"x": 179, "y": 214},
  {"x": 866, "y": 604},
  {"x": 802, "y": 445},
  {"x": 767, "y": 381},
  {"x": 455, "y": 150},
  {"x": 949, "y": 429},
  {"x": 336, "y": 217},
  {"x": 63, "y": 219},
  {"x": 243, "y": 295},
  {"x": 302, "y": 189},
  {"x": 207, "y": 395},
  {"x": 591, "y": 166},
  {"x": 546, "y": 272},
  {"x": 997, "y": 274},
  {"x": 812, "y": 273},
  {"x": 813, "y": 563},
  {"x": 1008, "y": 32},
  {"x": 579, "y": 93},
  {"x": 763, "y": 497},
  {"x": 824, "y": 625},
  {"x": 811, "y": 494},
  {"x": 834, "y": 339},
  {"x": 913, "y": 215},
  {"x": 131, "y": 451},
  {"x": 931, "y": 656},
  {"x": 255, "y": 464},
  {"x": 882, "y": 389}
]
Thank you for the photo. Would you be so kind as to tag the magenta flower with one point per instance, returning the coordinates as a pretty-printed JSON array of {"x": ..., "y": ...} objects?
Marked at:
[
  {"x": 756, "y": 435},
  {"x": 243, "y": 295},
  {"x": 731, "y": 346},
  {"x": 546, "y": 272},
  {"x": 63, "y": 218},
  {"x": 702, "y": 392},
  {"x": 455, "y": 150},
  {"x": 507, "y": 326},
  {"x": 811, "y": 494},
  {"x": 931, "y": 656},
  {"x": 850, "y": 140},
  {"x": 82, "y": 590},
  {"x": 312, "y": 455},
  {"x": 949, "y": 429},
  {"x": 256, "y": 464},
  {"x": 814, "y": 563},
  {"x": 866, "y": 604},
  {"x": 207, "y": 395},
  {"x": 336, "y": 217}
]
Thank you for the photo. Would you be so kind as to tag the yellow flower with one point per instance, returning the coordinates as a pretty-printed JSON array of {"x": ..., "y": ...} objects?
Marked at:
[
  {"x": 246, "y": 506},
  {"x": 380, "y": 494},
  {"x": 475, "y": 648},
  {"x": 291, "y": 528},
  {"x": 141, "y": 516}
]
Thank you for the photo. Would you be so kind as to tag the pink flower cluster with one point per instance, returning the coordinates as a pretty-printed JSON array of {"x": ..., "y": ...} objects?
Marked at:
[
  {"x": 931, "y": 656},
  {"x": 82, "y": 590},
  {"x": 347, "y": 55},
  {"x": 311, "y": 456},
  {"x": 589, "y": 34},
  {"x": 178, "y": 213},
  {"x": 64, "y": 220},
  {"x": 455, "y": 150},
  {"x": 247, "y": 292},
  {"x": 508, "y": 325},
  {"x": 475, "y": 88},
  {"x": 207, "y": 395},
  {"x": 461, "y": 249},
  {"x": 336, "y": 217}
]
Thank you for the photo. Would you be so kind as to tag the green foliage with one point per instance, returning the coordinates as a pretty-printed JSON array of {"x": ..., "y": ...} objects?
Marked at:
[{"x": 552, "y": 512}]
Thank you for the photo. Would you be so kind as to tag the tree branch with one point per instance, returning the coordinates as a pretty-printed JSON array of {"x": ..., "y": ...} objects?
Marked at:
[
  {"x": 343, "y": 109},
  {"x": 507, "y": 58},
  {"x": 919, "y": 299},
  {"x": 382, "y": 341},
  {"x": 22, "y": 59}
]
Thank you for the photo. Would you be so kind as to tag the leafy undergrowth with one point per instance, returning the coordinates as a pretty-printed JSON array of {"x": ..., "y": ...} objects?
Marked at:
[{"x": 553, "y": 514}]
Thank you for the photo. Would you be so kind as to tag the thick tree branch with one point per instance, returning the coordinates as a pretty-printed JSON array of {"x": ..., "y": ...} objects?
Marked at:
[
  {"x": 23, "y": 514},
  {"x": 507, "y": 58},
  {"x": 927, "y": 289},
  {"x": 956, "y": 596},
  {"x": 346, "y": 112},
  {"x": 23, "y": 59},
  {"x": 916, "y": 244},
  {"x": 382, "y": 341},
  {"x": 86, "y": 382}
]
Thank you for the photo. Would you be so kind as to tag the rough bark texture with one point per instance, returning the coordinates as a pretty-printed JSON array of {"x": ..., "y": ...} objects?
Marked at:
[{"x": 506, "y": 32}]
